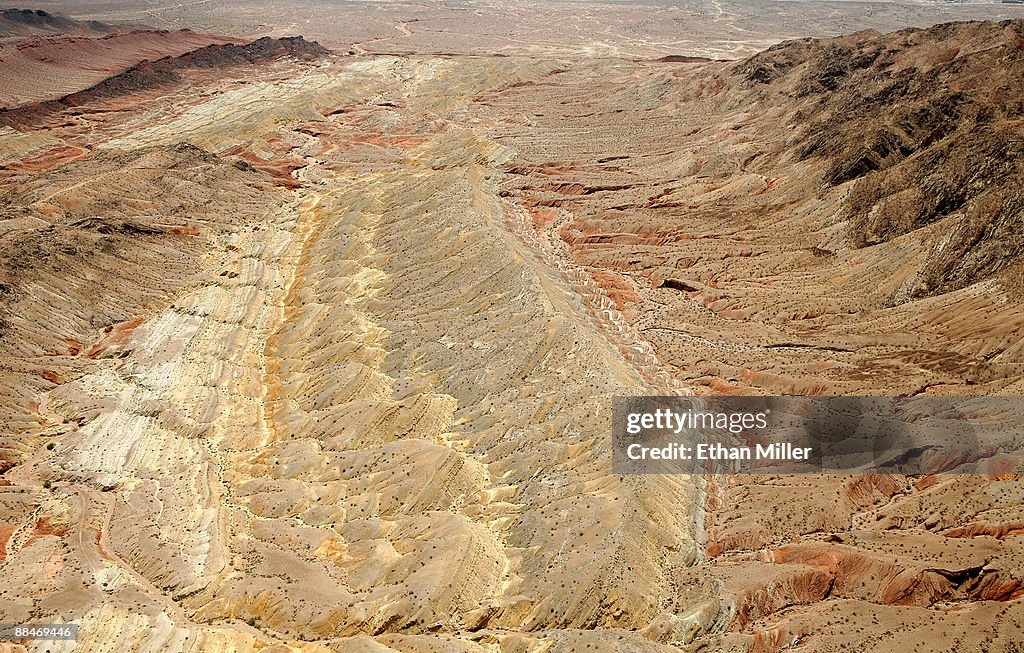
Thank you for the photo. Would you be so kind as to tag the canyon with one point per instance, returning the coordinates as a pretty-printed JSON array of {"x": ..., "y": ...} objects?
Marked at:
[{"x": 310, "y": 346}]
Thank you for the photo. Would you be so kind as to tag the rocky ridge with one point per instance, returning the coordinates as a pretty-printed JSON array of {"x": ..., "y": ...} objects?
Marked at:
[{"x": 148, "y": 75}]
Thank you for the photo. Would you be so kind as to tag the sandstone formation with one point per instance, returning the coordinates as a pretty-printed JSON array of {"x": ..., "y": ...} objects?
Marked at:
[{"x": 309, "y": 351}]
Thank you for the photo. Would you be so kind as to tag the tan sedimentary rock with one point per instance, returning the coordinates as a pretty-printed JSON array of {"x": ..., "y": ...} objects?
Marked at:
[
  {"x": 377, "y": 407},
  {"x": 325, "y": 354}
]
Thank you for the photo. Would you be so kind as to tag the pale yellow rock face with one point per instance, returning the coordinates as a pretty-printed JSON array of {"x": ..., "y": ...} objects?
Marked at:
[
  {"x": 374, "y": 419},
  {"x": 14, "y": 143}
]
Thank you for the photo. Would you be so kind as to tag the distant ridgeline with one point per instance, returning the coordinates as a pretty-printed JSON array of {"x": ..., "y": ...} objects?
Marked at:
[
  {"x": 27, "y": 22},
  {"x": 153, "y": 74}
]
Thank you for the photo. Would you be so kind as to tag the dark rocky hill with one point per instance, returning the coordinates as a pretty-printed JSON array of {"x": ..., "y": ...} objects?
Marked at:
[
  {"x": 30, "y": 22},
  {"x": 927, "y": 123}
]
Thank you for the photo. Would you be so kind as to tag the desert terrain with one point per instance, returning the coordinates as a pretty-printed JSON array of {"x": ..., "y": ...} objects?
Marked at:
[
  {"x": 726, "y": 29},
  {"x": 308, "y": 343}
]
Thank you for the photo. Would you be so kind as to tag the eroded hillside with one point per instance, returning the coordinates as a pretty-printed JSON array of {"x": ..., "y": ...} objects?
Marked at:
[{"x": 314, "y": 352}]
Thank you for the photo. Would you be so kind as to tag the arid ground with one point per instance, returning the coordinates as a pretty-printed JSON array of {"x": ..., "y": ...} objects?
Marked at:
[{"x": 308, "y": 344}]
